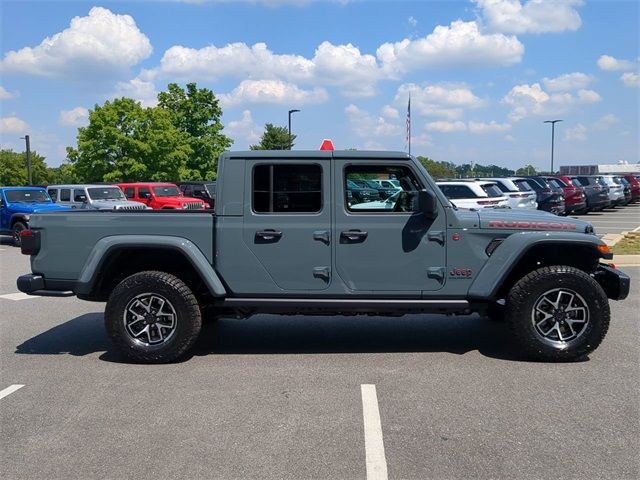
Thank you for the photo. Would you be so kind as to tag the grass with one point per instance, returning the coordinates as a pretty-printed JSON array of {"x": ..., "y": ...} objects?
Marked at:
[{"x": 629, "y": 245}]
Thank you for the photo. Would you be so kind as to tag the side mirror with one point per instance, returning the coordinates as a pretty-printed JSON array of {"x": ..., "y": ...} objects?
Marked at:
[{"x": 427, "y": 204}]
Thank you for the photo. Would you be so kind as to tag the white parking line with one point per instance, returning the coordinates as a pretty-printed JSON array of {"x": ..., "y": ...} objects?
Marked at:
[
  {"x": 17, "y": 296},
  {"x": 373, "y": 444},
  {"x": 636, "y": 229},
  {"x": 9, "y": 390}
]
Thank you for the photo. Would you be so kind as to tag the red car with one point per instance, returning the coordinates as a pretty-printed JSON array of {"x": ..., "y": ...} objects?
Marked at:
[
  {"x": 634, "y": 183},
  {"x": 575, "y": 200},
  {"x": 160, "y": 196}
]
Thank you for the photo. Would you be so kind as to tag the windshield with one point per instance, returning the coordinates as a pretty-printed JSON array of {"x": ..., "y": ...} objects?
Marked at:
[
  {"x": 492, "y": 190},
  {"x": 211, "y": 189},
  {"x": 166, "y": 191},
  {"x": 105, "y": 193},
  {"x": 27, "y": 196}
]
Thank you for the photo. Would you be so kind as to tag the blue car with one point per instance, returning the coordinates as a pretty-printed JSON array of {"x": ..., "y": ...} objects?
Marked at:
[{"x": 16, "y": 206}]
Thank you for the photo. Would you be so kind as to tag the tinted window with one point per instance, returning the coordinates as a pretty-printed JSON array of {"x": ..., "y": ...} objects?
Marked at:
[
  {"x": 129, "y": 192},
  {"x": 576, "y": 182},
  {"x": 584, "y": 181},
  {"x": 287, "y": 188},
  {"x": 491, "y": 190},
  {"x": 144, "y": 192},
  {"x": 556, "y": 183},
  {"x": 53, "y": 193},
  {"x": 358, "y": 200},
  {"x": 65, "y": 195},
  {"x": 79, "y": 196},
  {"x": 457, "y": 191},
  {"x": 523, "y": 186}
]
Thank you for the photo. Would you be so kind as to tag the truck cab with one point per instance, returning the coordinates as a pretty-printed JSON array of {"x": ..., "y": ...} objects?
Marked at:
[{"x": 160, "y": 196}]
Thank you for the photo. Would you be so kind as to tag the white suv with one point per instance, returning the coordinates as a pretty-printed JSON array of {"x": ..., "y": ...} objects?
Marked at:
[
  {"x": 518, "y": 192},
  {"x": 473, "y": 193}
]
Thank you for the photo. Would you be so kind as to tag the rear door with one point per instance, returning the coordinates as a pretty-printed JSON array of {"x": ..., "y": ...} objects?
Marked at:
[
  {"x": 287, "y": 223},
  {"x": 384, "y": 245}
]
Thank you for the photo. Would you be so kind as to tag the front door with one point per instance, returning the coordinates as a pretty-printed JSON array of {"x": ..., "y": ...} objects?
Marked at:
[
  {"x": 287, "y": 224},
  {"x": 384, "y": 245}
]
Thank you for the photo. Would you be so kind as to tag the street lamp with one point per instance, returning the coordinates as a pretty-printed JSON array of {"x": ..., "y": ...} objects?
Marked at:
[
  {"x": 553, "y": 129},
  {"x": 29, "y": 176},
  {"x": 290, "y": 112}
]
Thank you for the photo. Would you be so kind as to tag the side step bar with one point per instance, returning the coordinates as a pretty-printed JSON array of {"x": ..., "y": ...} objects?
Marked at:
[{"x": 346, "y": 305}]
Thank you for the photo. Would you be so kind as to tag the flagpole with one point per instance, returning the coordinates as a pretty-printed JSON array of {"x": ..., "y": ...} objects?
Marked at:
[{"x": 409, "y": 123}]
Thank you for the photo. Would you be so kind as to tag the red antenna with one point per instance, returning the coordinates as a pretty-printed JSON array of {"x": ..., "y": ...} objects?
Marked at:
[{"x": 327, "y": 145}]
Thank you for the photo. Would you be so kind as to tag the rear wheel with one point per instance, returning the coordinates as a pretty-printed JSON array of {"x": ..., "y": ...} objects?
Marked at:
[
  {"x": 557, "y": 313},
  {"x": 153, "y": 317},
  {"x": 17, "y": 228}
]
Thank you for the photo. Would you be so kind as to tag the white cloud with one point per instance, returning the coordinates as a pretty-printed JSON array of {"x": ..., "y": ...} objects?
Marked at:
[
  {"x": 577, "y": 133},
  {"x": 605, "y": 122},
  {"x": 491, "y": 127},
  {"x": 75, "y": 117},
  {"x": 422, "y": 140},
  {"x": 412, "y": 21},
  {"x": 566, "y": 82},
  {"x": 7, "y": 95},
  {"x": 459, "y": 44},
  {"x": 510, "y": 138},
  {"x": 532, "y": 16},
  {"x": 527, "y": 100},
  {"x": 13, "y": 125},
  {"x": 271, "y": 91},
  {"x": 630, "y": 79},
  {"x": 612, "y": 64},
  {"x": 138, "y": 89},
  {"x": 390, "y": 112},
  {"x": 445, "y": 127},
  {"x": 101, "y": 43},
  {"x": 446, "y": 101},
  {"x": 244, "y": 129},
  {"x": 366, "y": 125}
]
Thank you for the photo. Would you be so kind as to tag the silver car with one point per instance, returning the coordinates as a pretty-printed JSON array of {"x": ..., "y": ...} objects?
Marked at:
[
  {"x": 92, "y": 197},
  {"x": 616, "y": 189}
]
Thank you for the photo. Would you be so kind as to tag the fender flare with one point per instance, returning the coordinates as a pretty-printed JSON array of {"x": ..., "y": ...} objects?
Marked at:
[
  {"x": 20, "y": 217},
  {"x": 506, "y": 256},
  {"x": 107, "y": 245}
]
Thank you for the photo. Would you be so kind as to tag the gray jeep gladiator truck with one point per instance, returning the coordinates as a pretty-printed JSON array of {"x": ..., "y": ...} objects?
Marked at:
[{"x": 284, "y": 238}]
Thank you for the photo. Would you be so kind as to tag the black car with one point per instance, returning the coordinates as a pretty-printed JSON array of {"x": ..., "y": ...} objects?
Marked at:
[
  {"x": 359, "y": 192},
  {"x": 205, "y": 191},
  {"x": 549, "y": 199}
]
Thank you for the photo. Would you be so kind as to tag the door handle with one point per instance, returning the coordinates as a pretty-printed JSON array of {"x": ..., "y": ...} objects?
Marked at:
[
  {"x": 268, "y": 235},
  {"x": 353, "y": 235},
  {"x": 322, "y": 236}
]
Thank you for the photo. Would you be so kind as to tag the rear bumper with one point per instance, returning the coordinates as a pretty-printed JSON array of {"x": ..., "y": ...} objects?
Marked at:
[
  {"x": 614, "y": 282},
  {"x": 32, "y": 284}
]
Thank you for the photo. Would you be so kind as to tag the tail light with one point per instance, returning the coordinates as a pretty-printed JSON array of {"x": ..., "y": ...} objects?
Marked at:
[
  {"x": 29, "y": 242},
  {"x": 488, "y": 202},
  {"x": 519, "y": 195}
]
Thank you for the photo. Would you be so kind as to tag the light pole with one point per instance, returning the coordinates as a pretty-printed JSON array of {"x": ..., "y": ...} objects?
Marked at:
[
  {"x": 553, "y": 131},
  {"x": 290, "y": 112},
  {"x": 29, "y": 176}
]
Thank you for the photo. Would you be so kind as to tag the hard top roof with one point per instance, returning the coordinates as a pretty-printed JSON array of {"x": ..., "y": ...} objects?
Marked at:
[
  {"x": 316, "y": 154},
  {"x": 26, "y": 187}
]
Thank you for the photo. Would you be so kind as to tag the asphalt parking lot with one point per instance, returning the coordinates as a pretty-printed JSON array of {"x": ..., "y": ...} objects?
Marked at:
[
  {"x": 282, "y": 398},
  {"x": 615, "y": 220}
]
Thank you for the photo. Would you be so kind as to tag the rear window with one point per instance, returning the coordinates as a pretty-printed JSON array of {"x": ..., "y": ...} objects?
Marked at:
[
  {"x": 576, "y": 182},
  {"x": 492, "y": 190},
  {"x": 523, "y": 185},
  {"x": 457, "y": 191},
  {"x": 556, "y": 182}
]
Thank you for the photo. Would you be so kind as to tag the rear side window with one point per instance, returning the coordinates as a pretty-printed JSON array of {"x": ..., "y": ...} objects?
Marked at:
[
  {"x": 457, "y": 191},
  {"x": 491, "y": 190},
  {"x": 287, "y": 188},
  {"x": 129, "y": 192},
  {"x": 65, "y": 195}
]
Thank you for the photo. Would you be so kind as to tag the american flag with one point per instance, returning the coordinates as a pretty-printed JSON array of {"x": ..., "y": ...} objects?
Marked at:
[{"x": 408, "y": 139}]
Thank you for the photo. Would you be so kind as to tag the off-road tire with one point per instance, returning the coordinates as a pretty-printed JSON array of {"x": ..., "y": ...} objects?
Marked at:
[
  {"x": 182, "y": 299},
  {"x": 16, "y": 229},
  {"x": 529, "y": 289}
]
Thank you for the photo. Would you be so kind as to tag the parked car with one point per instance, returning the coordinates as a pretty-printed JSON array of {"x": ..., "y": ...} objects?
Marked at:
[
  {"x": 92, "y": 197},
  {"x": 205, "y": 191},
  {"x": 595, "y": 189},
  {"x": 635, "y": 187},
  {"x": 473, "y": 194},
  {"x": 158, "y": 272},
  {"x": 359, "y": 192},
  {"x": 575, "y": 200},
  {"x": 627, "y": 189},
  {"x": 616, "y": 189},
  {"x": 550, "y": 199},
  {"x": 520, "y": 195},
  {"x": 160, "y": 196},
  {"x": 17, "y": 204},
  {"x": 385, "y": 187}
]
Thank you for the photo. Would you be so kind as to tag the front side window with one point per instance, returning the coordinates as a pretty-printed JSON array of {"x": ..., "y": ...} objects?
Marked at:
[
  {"x": 362, "y": 192},
  {"x": 129, "y": 192},
  {"x": 79, "y": 196},
  {"x": 144, "y": 192},
  {"x": 287, "y": 188},
  {"x": 53, "y": 193}
]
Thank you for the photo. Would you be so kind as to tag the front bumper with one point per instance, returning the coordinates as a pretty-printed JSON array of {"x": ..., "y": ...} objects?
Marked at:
[
  {"x": 614, "y": 282},
  {"x": 32, "y": 284}
]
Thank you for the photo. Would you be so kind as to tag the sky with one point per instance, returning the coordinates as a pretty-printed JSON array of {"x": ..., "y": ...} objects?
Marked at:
[{"x": 483, "y": 75}]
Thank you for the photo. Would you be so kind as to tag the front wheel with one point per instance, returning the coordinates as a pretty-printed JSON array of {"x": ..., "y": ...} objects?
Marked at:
[
  {"x": 153, "y": 317},
  {"x": 557, "y": 313},
  {"x": 18, "y": 227}
]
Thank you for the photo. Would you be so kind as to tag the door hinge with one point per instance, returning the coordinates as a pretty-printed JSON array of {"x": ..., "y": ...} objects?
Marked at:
[
  {"x": 436, "y": 236},
  {"x": 437, "y": 273},
  {"x": 322, "y": 272}
]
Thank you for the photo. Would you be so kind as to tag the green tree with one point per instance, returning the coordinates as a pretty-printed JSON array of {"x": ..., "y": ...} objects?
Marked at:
[
  {"x": 438, "y": 169},
  {"x": 65, "y": 173},
  {"x": 13, "y": 168},
  {"x": 275, "y": 138},
  {"x": 196, "y": 113},
  {"x": 527, "y": 170},
  {"x": 126, "y": 142}
]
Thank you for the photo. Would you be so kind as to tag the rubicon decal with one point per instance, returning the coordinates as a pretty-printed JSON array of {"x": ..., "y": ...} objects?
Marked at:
[{"x": 525, "y": 225}]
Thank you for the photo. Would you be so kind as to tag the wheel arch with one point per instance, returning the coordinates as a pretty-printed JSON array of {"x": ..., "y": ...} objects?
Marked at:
[{"x": 19, "y": 217}]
